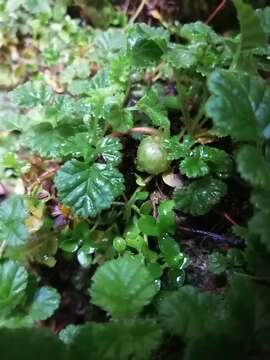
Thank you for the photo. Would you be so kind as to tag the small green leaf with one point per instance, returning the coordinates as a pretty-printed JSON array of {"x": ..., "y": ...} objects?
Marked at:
[
  {"x": 84, "y": 259},
  {"x": 194, "y": 167},
  {"x": 199, "y": 197},
  {"x": 154, "y": 109},
  {"x": 12, "y": 221},
  {"x": 31, "y": 94},
  {"x": 122, "y": 287},
  {"x": 87, "y": 188},
  {"x": 170, "y": 250},
  {"x": 181, "y": 56},
  {"x": 252, "y": 33},
  {"x": 253, "y": 167},
  {"x": 177, "y": 150},
  {"x": 46, "y": 300},
  {"x": 147, "y": 225},
  {"x": 146, "y": 44},
  {"x": 166, "y": 220},
  {"x": 120, "y": 119},
  {"x": 13, "y": 283},
  {"x": 109, "y": 148},
  {"x": 217, "y": 263},
  {"x": 199, "y": 32}
]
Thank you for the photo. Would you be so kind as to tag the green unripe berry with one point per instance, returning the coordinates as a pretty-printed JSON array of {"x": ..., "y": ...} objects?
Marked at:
[
  {"x": 119, "y": 244},
  {"x": 152, "y": 156}
]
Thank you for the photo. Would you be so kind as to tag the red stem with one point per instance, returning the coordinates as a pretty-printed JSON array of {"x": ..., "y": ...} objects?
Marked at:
[
  {"x": 227, "y": 217},
  {"x": 141, "y": 130},
  {"x": 220, "y": 7}
]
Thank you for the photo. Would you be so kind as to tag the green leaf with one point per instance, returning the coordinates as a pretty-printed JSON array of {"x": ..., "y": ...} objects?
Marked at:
[
  {"x": 188, "y": 312},
  {"x": 252, "y": 33},
  {"x": 219, "y": 161},
  {"x": 68, "y": 334},
  {"x": 166, "y": 220},
  {"x": 146, "y": 44},
  {"x": 253, "y": 167},
  {"x": 264, "y": 15},
  {"x": 199, "y": 32},
  {"x": 132, "y": 339},
  {"x": 40, "y": 249},
  {"x": 248, "y": 319},
  {"x": 31, "y": 344},
  {"x": 177, "y": 150},
  {"x": 119, "y": 71},
  {"x": 147, "y": 225},
  {"x": 37, "y": 6},
  {"x": 12, "y": 221},
  {"x": 238, "y": 105},
  {"x": 31, "y": 94},
  {"x": 181, "y": 56},
  {"x": 154, "y": 109},
  {"x": 120, "y": 119},
  {"x": 87, "y": 188},
  {"x": 259, "y": 225},
  {"x": 46, "y": 300},
  {"x": 199, "y": 197},
  {"x": 110, "y": 149},
  {"x": 170, "y": 250},
  {"x": 122, "y": 287},
  {"x": 217, "y": 263},
  {"x": 13, "y": 283},
  {"x": 109, "y": 44},
  {"x": 194, "y": 167},
  {"x": 48, "y": 141}
]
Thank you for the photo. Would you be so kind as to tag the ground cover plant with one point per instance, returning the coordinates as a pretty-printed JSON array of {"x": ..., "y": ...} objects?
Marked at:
[{"x": 135, "y": 184}]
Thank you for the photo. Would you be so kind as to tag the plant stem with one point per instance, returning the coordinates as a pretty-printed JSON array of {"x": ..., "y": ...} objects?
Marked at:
[
  {"x": 214, "y": 236},
  {"x": 140, "y": 130},
  {"x": 181, "y": 99},
  {"x": 216, "y": 11},
  {"x": 138, "y": 11}
]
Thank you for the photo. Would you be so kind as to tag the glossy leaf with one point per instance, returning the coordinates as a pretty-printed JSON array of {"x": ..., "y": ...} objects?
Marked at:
[
  {"x": 12, "y": 221},
  {"x": 170, "y": 250},
  {"x": 194, "y": 167},
  {"x": 146, "y": 44},
  {"x": 199, "y": 32},
  {"x": 86, "y": 188},
  {"x": 200, "y": 196},
  {"x": 166, "y": 220},
  {"x": 45, "y": 301},
  {"x": 147, "y": 225},
  {"x": 177, "y": 150},
  {"x": 31, "y": 94}
]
